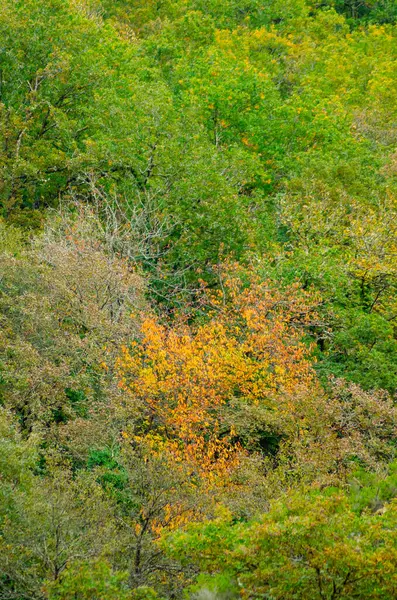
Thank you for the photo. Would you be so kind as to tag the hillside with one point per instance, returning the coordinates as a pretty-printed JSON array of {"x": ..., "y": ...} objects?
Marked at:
[{"x": 198, "y": 343}]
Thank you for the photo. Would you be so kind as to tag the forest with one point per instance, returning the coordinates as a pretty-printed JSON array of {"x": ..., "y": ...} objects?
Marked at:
[{"x": 198, "y": 299}]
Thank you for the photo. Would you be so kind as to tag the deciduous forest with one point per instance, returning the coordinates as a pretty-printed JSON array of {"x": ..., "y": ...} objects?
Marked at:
[{"x": 198, "y": 309}]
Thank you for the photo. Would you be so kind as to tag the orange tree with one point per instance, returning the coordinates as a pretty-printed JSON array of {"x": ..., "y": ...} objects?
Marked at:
[
  {"x": 186, "y": 381},
  {"x": 241, "y": 385}
]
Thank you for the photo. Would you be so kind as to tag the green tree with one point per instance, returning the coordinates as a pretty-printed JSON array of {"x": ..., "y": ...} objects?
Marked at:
[{"x": 312, "y": 546}]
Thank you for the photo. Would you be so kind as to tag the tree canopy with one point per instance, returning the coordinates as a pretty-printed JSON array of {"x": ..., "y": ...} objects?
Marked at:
[{"x": 198, "y": 344}]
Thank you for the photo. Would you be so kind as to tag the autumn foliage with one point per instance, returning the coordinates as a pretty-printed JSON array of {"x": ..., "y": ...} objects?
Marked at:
[
  {"x": 243, "y": 382},
  {"x": 198, "y": 283},
  {"x": 249, "y": 349}
]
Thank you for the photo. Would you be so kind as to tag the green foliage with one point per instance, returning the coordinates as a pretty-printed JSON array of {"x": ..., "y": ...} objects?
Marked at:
[
  {"x": 89, "y": 581},
  {"x": 111, "y": 474},
  {"x": 61, "y": 142},
  {"x": 371, "y": 491},
  {"x": 17, "y": 460},
  {"x": 306, "y": 546},
  {"x": 373, "y": 11},
  {"x": 147, "y": 151},
  {"x": 52, "y": 521}
]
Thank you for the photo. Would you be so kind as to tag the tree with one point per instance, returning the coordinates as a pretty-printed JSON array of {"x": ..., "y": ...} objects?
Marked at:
[
  {"x": 89, "y": 581},
  {"x": 182, "y": 378},
  {"x": 311, "y": 545},
  {"x": 65, "y": 302},
  {"x": 55, "y": 521}
]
